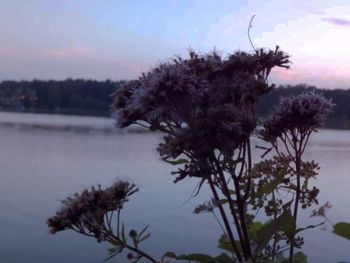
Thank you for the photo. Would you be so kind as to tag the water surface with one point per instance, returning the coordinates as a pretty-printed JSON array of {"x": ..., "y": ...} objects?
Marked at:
[{"x": 45, "y": 158}]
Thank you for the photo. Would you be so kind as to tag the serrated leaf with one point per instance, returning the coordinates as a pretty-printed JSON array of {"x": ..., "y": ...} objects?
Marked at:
[{"x": 342, "y": 229}]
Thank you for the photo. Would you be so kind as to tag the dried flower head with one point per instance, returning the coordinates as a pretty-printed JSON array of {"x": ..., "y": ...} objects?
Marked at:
[
  {"x": 86, "y": 212},
  {"x": 305, "y": 112}
]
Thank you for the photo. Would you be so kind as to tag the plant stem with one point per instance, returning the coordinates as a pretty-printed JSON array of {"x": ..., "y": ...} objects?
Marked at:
[
  {"x": 224, "y": 218},
  {"x": 113, "y": 239},
  {"x": 241, "y": 213},
  {"x": 226, "y": 192},
  {"x": 297, "y": 195}
]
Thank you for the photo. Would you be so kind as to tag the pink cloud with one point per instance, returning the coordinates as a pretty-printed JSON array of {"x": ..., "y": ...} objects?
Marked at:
[
  {"x": 337, "y": 21},
  {"x": 321, "y": 75},
  {"x": 283, "y": 74},
  {"x": 69, "y": 52}
]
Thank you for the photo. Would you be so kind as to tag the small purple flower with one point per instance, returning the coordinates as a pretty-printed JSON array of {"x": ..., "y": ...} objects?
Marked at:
[{"x": 305, "y": 112}]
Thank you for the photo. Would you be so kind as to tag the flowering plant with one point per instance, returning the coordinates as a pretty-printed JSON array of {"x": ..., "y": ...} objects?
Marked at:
[{"x": 206, "y": 107}]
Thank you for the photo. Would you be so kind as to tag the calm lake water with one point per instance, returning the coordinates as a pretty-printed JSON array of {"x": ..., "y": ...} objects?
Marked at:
[{"x": 45, "y": 158}]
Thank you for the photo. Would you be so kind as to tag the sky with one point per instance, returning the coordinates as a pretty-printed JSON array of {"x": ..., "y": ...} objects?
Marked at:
[{"x": 120, "y": 39}]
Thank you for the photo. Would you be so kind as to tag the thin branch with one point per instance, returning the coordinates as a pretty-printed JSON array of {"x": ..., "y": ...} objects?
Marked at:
[{"x": 249, "y": 27}]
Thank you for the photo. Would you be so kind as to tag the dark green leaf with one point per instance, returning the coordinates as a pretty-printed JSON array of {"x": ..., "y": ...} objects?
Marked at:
[
  {"x": 342, "y": 229},
  {"x": 232, "y": 192},
  {"x": 202, "y": 258},
  {"x": 308, "y": 227},
  {"x": 284, "y": 222},
  {"x": 144, "y": 237},
  {"x": 287, "y": 205},
  {"x": 288, "y": 225},
  {"x": 254, "y": 228},
  {"x": 271, "y": 186},
  {"x": 220, "y": 202},
  {"x": 176, "y": 162},
  {"x": 123, "y": 233},
  {"x": 168, "y": 254},
  {"x": 223, "y": 258},
  {"x": 225, "y": 244},
  {"x": 142, "y": 231},
  {"x": 299, "y": 257},
  {"x": 111, "y": 255},
  {"x": 112, "y": 252}
]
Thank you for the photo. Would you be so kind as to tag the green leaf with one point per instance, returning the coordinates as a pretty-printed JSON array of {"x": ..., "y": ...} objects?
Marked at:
[
  {"x": 287, "y": 205},
  {"x": 196, "y": 257},
  {"x": 112, "y": 252},
  {"x": 272, "y": 185},
  {"x": 284, "y": 222},
  {"x": 289, "y": 225},
  {"x": 299, "y": 257},
  {"x": 168, "y": 254},
  {"x": 176, "y": 162},
  {"x": 142, "y": 231},
  {"x": 123, "y": 233},
  {"x": 144, "y": 237},
  {"x": 232, "y": 192},
  {"x": 305, "y": 184},
  {"x": 308, "y": 227},
  {"x": 111, "y": 255},
  {"x": 202, "y": 258},
  {"x": 225, "y": 244},
  {"x": 220, "y": 202},
  {"x": 223, "y": 258},
  {"x": 254, "y": 228},
  {"x": 342, "y": 229}
]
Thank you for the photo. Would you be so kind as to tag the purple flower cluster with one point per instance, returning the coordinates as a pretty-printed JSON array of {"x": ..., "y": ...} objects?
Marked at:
[
  {"x": 86, "y": 212},
  {"x": 202, "y": 103},
  {"x": 305, "y": 112}
]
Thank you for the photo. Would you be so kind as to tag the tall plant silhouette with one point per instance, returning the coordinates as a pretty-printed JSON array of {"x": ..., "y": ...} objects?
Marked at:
[{"x": 205, "y": 105}]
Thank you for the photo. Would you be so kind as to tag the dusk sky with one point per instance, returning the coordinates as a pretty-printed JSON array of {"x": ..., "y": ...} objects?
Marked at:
[{"x": 100, "y": 39}]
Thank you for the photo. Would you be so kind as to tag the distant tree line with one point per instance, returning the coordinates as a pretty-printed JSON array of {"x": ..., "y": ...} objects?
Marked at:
[
  {"x": 92, "y": 97},
  {"x": 79, "y": 97}
]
